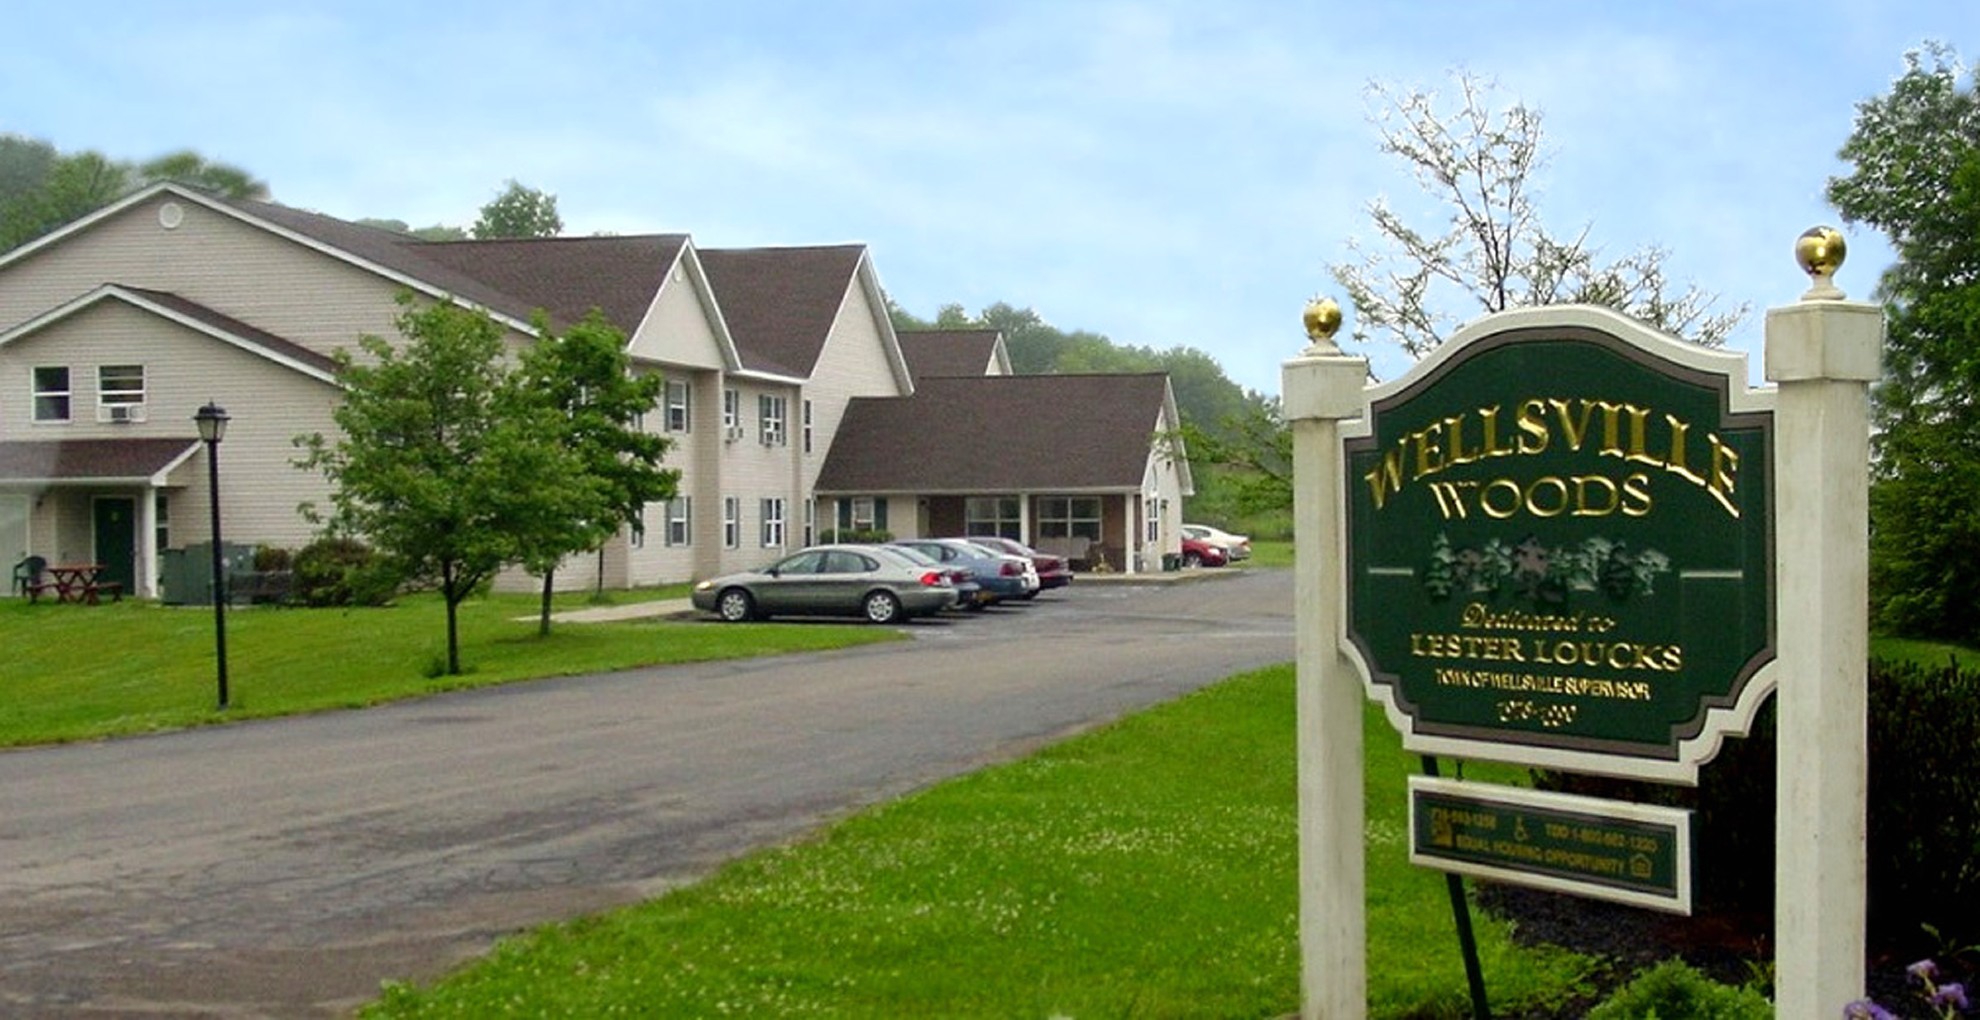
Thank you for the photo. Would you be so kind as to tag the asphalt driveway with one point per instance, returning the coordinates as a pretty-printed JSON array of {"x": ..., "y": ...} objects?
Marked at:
[{"x": 284, "y": 868}]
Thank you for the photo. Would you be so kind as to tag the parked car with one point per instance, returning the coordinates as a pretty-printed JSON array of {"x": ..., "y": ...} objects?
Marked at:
[
  {"x": 1238, "y": 546},
  {"x": 969, "y": 594},
  {"x": 1053, "y": 571},
  {"x": 1002, "y": 576},
  {"x": 1201, "y": 552},
  {"x": 831, "y": 580}
]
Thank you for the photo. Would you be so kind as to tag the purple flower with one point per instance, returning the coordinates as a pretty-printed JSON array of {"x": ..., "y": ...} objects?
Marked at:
[
  {"x": 1950, "y": 994},
  {"x": 1923, "y": 970},
  {"x": 1864, "y": 1009}
]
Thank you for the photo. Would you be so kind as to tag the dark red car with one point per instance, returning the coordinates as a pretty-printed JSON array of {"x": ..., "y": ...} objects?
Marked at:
[
  {"x": 1198, "y": 552},
  {"x": 1053, "y": 571}
]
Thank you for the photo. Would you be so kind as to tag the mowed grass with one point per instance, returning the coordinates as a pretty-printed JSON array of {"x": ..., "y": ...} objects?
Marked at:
[
  {"x": 80, "y": 672},
  {"x": 1925, "y": 653},
  {"x": 1147, "y": 869}
]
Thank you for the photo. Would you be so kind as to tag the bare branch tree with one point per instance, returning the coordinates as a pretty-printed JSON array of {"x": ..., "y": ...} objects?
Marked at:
[{"x": 1493, "y": 253}]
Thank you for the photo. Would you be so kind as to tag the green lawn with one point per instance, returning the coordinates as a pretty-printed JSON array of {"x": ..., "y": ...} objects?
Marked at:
[
  {"x": 1929, "y": 653},
  {"x": 1270, "y": 553},
  {"x": 78, "y": 672},
  {"x": 1143, "y": 870}
]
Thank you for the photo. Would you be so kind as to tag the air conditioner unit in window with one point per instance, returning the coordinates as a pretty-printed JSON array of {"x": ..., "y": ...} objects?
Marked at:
[
  {"x": 769, "y": 438},
  {"x": 125, "y": 413},
  {"x": 734, "y": 433}
]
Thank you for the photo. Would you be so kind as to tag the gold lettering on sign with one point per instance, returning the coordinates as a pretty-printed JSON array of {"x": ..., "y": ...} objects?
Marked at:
[{"x": 1636, "y": 435}]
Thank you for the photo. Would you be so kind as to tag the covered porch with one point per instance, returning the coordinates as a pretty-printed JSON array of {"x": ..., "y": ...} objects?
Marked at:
[
  {"x": 105, "y": 502},
  {"x": 1117, "y": 531}
]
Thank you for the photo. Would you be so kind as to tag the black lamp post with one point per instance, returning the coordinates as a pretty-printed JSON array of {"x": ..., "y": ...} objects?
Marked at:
[{"x": 212, "y": 428}]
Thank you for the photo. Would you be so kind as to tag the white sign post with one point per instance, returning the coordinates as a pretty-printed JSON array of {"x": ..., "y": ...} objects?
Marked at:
[
  {"x": 1822, "y": 353},
  {"x": 1322, "y": 388}
]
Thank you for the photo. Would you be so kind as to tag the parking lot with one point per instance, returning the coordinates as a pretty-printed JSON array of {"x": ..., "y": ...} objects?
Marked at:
[{"x": 284, "y": 868}]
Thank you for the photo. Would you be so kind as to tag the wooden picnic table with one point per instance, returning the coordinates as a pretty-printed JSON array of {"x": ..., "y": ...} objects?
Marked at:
[{"x": 75, "y": 582}]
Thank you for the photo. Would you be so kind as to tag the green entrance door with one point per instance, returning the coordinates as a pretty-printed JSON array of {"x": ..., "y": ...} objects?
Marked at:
[{"x": 116, "y": 539}]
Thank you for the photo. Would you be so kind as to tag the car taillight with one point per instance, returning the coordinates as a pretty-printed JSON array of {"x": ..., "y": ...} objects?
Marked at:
[
  {"x": 1011, "y": 570},
  {"x": 933, "y": 579}
]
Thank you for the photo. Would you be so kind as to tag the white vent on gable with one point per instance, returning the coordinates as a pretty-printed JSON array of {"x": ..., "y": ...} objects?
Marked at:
[{"x": 170, "y": 215}]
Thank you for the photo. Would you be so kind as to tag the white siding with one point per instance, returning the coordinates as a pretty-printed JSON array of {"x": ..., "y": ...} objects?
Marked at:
[
  {"x": 853, "y": 363},
  {"x": 274, "y": 284},
  {"x": 269, "y": 405},
  {"x": 754, "y": 472},
  {"x": 677, "y": 329},
  {"x": 696, "y": 454}
]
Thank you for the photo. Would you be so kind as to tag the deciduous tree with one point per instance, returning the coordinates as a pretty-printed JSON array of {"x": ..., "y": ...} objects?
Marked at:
[
  {"x": 190, "y": 168},
  {"x": 1915, "y": 175},
  {"x": 444, "y": 465},
  {"x": 519, "y": 212},
  {"x": 585, "y": 377}
]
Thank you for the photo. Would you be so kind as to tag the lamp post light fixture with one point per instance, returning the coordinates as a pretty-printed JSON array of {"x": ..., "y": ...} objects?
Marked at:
[{"x": 212, "y": 421}]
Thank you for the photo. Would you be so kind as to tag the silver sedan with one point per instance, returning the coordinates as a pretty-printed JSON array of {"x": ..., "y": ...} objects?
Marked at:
[{"x": 830, "y": 580}]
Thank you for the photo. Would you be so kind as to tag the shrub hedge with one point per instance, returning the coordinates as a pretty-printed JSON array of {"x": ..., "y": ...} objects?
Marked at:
[
  {"x": 339, "y": 572},
  {"x": 1672, "y": 990},
  {"x": 1924, "y": 811}
]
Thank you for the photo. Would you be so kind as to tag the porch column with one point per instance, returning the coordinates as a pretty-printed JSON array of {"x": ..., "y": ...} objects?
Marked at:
[
  {"x": 145, "y": 571},
  {"x": 1130, "y": 549}
]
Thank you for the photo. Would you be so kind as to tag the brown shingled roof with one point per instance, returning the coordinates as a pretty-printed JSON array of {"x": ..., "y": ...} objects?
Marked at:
[
  {"x": 569, "y": 276},
  {"x": 564, "y": 276},
  {"x": 932, "y": 353},
  {"x": 999, "y": 434},
  {"x": 226, "y": 323},
  {"x": 90, "y": 459},
  {"x": 780, "y": 303},
  {"x": 393, "y": 251}
]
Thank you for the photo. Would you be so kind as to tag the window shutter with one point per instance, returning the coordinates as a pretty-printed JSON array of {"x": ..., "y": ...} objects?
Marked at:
[
  {"x": 880, "y": 513},
  {"x": 845, "y": 514}
]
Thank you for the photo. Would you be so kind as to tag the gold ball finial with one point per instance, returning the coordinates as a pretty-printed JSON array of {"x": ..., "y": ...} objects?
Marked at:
[
  {"x": 1821, "y": 251},
  {"x": 1322, "y": 320}
]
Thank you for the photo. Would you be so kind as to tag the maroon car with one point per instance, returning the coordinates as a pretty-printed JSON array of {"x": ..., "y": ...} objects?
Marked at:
[
  {"x": 1053, "y": 571},
  {"x": 1199, "y": 552}
]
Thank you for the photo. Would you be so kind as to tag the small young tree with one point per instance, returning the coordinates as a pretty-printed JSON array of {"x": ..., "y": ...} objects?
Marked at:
[
  {"x": 585, "y": 378},
  {"x": 441, "y": 466}
]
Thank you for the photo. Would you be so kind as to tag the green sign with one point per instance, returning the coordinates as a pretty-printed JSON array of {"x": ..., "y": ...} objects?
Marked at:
[
  {"x": 1560, "y": 549},
  {"x": 1628, "y": 853}
]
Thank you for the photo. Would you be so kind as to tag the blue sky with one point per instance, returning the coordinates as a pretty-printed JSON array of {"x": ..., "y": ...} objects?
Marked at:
[{"x": 1162, "y": 173}]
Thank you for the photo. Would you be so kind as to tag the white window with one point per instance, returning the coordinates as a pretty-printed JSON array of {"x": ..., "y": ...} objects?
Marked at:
[
  {"x": 807, "y": 426},
  {"x": 770, "y": 412},
  {"x": 51, "y": 393},
  {"x": 773, "y": 523},
  {"x": 1151, "y": 506},
  {"x": 863, "y": 518},
  {"x": 678, "y": 407},
  {"x": 732, "y": 413},
  {"x": 636, "y": 537},
  {"x": 810, "y": 521},
  {"x": 732, "y": 522},
  {"x": 120, "y": 393},
  {"x": 1069, "y": 517},
  {"x": 680, "y": 520},
  {"x": 993, "y": 515}
]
